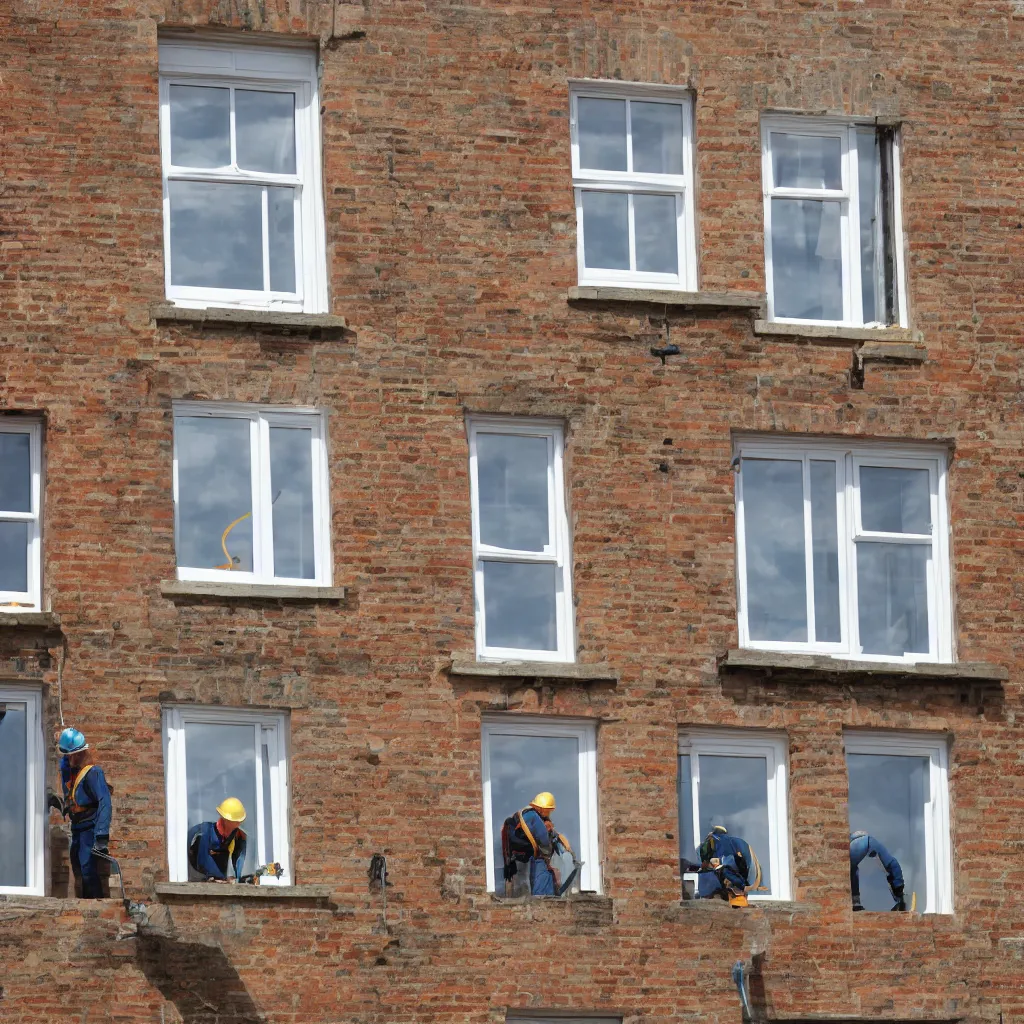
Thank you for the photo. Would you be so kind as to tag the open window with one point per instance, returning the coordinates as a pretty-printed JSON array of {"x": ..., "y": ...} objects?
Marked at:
[
  {"x": 250, "y": 494},
  {"x": 523, "y": 757},
  {"x": 20, "y": 514},
  {"x": 243, "y": 208},
  {"x": 211, "y": 754},
  {"x": 737, "y": 778},
  {"x": 22, "y": 784},
  {"x": 521, "y": 550},
  {"x": 833, "y": 234},
  {"x": 843, "y": 549},
  {"x": 899, "y": 795},
  {"x": 632, "y": 167}
]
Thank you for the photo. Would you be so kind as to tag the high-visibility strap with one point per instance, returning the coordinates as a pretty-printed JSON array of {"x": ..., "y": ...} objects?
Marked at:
[
  {"x": 564, "y": 842},
  {"x": 528, "y": 834},
  {"x": 78, "y": 781},
  {"x": 757, "y": 886}
]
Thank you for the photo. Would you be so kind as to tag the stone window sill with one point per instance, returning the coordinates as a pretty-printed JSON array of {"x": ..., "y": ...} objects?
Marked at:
[
  {"x": 820, "y": 665},
  {"x": 313, "y": 325},
  {"x": 775, "y": 906},
  {"x": 251, "y": 591},
  {"x": 218, "y": 890},
  {"x": 576, "y": 897},
  {"x": 570, "y": 672},
  {"x": 685, "y": 300},
  {"x": 29, "y": 620},
  {"x": 899, "y": 342}
]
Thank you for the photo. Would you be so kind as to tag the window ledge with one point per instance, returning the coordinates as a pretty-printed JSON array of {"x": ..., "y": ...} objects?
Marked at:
[
  {"x": 657, "y": 297},
  {"x": 776, "y": 906},
  {"x": 895, "y": 342},
  {"x": 567, "y": 671},
  {"x": 251, "y": 591},
  {"x": 29, "y": 620},
  {"x": 315, "y": 325},
  {"x": 823, "y": 665},
  {"x": 592, "y": 898},
  {"x": 220, "y": 890}
]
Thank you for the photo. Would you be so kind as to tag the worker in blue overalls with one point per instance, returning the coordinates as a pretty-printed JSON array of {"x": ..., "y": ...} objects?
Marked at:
[
  {"x": 726, "y": 863},
  {"x": 87, "y": 803},
  {"x": 529, "y": 836},
  {"x": 216, "y": 849},
  {"x": 862, "y": 845}
]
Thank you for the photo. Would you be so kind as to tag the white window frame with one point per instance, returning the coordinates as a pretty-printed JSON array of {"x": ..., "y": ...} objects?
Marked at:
[
  {"x": 261, "y": 418},
  {"x": 938, "y": 844},
  {"x": 35, "y": 780},
  {"x": 270, "y": 725},
  {"x": 849, "y": 459},
  {"x": 558, "y": 551},
  {"x": 257, "y": 66},
  {"x": 773, "y": 748},
  {"x": 679, "y": 185},
  {"x": 854, "y": 137},
  {"x": 585, "y": 733},
  {"x": 15, "y": 601}
]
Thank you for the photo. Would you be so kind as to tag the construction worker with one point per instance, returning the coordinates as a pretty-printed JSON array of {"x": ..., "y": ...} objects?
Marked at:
[
  {"x": 214, "y": 845},
  {"x": 87, "y": 803},
  {"x": 726, "y": 862},
  {"x": 862, "y": 845},
  {"x": 529, "y": 836}
]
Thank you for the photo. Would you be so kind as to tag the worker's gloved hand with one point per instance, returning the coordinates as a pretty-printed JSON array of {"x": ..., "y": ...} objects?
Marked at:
[
  {"x": 509, "y": 871},
  {"x": 901, "y": 903},
  {"x": 54, "y": 801},
  {"x": 101, "y": 844}
]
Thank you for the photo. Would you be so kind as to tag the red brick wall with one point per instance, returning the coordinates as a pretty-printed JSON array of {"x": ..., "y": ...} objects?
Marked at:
[{"x": 451, "y": 245}]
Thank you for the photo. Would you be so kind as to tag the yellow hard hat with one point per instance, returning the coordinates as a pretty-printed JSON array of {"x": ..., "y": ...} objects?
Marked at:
[
  {"x": 543, "y": 802},
  {"x": 232, "y": 809}
]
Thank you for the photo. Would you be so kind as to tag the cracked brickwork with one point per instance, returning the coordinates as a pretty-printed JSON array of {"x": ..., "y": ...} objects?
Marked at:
[{"x": 451, "y": 245}]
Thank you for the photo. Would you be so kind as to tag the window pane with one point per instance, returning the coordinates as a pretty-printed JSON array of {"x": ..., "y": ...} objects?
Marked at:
[
  {"x": 512, "y": 474},
  {"x": 773, "y": 523},
  {"x": 291, "y": 486},
  {"x": 807, "y": 265},
  {"x": 894, "y": 500},
  {"x": 200, "y": 126},
  {"x": 606, "y": 230},
  {"x": 657, "y": 233},
  {"x": 519, "y": 603},
  {"x": 268, "y": 807},
  {"x": 688, "y": 843},
  {"x": 13, "y": 794},
  {"x": 216, "y": 235},
  {"x": 825, "y": 538},
  {"x": 220, "y": 761},
  {"x": 871, "y": 280},
  {"x": 281, "y": 225},
  {"x": 520, "y": 768},
  {"x": 214, "y": 493},
  {"x": 806, "y": 161},
  {"x": 14, "y": 557},
  {"x": 892, "y": 595},
  {"x": 15, "y": 473},
  {"x": 265, "y": 131},
  {"x": 602, "y": 133},
  {"x": 657, "y": 137},
  {"x": 733, "y": 791},
  {"x": 888, "y": 794}
]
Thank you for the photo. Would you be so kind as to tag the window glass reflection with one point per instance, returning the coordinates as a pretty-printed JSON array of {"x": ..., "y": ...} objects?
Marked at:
[
  {"x": 519, "y": 605},
  {"x": 602, "y": 133},
  {"x": 14, "y": 556},
  {"x": 654, "y": 220},
  {"x": 13, "y": 793},
  {"x": 892, "y": 595},
  {"x": 806, "y": 161},
  {"x": 807, "y": 265},
  {"x": 657, "y": 130},
  {"x": 512, "y": 475},
  {"x": 606, "y": 230},
  {"x": 15, "y": 472},
  {"x": 291, "y": 483},
  {"x": 200, "y": 126},
  {"x": 895, "y": 500},
  {"x": 265, "y": 131}
]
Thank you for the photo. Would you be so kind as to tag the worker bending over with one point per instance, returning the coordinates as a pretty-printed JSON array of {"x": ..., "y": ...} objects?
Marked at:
[
  {"x": 216, "y": 849},
  {"x": 529, "y": 836},
  {"x": 726, "y": 863},
  {"x": 862, "y": 845},
  {"x": 87, "y": 803}
]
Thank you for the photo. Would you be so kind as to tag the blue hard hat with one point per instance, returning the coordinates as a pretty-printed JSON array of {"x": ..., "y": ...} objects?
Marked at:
[{"x": 71, "y": 741}]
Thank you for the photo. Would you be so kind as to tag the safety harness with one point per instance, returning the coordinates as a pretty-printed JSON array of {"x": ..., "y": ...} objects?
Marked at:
[
  {"x": 734, "y": 894},
  {"x": 71, "y": 804},
  {"x": 519, "y": 845}
]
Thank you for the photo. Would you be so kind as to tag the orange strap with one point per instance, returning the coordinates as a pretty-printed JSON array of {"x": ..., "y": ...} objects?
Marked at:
[
  {"x": 528, "y": 834},
  {"x": 74, "y": 786}
]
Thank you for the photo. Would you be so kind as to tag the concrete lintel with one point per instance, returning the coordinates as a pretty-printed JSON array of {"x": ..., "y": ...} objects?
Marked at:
[
  {"x": 823, "y": 665},
  {"x": 686, "y": 300},
  {"x": 220, "y": 890},
  {"x": 250, "y": 591},
  {"x": 219, "y": 316},
  {"x": 885, "y": 351},
  {"x": 826, "y": 333},
  {"x": 569, "y": 672},
  {"x": 29, "y": 620}
]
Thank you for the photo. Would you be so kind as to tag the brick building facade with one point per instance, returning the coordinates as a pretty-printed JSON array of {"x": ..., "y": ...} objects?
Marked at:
[{"x": 442, "y": 291}]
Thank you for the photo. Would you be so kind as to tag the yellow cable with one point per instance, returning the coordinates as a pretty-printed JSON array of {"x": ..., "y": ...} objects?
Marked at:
[{"x": 224, "y": 542}]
